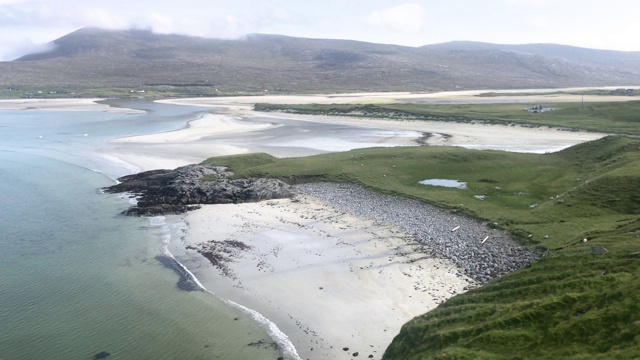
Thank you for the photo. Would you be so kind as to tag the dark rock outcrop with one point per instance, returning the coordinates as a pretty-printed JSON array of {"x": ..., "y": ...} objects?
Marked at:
[{"x": 185, "y": 188}]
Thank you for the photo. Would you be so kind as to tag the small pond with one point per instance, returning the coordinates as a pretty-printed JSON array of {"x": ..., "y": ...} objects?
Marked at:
[{"x": 444, "y": 182}]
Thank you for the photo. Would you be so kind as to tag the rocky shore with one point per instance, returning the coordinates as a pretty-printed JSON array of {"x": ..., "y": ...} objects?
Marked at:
[
  {"x": 185, "y": 188},
  {"x": 481, "y": 252}
]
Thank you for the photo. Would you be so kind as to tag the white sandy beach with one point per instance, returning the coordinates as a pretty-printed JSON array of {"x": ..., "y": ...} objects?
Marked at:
[
  {"x": 188, "y": 145},
  {"x": 62, "y": 104},
  {"x": 327, "y": 279},
  {"x": 448, "y": 97}
]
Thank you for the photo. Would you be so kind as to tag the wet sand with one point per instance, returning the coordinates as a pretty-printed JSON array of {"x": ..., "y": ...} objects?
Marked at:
[{"x": 62, "y": 104}]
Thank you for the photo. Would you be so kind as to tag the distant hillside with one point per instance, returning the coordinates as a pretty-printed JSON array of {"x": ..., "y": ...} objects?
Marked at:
[
  {"x": 608, "y": 58},
  {"x": 93, "y": 59}
]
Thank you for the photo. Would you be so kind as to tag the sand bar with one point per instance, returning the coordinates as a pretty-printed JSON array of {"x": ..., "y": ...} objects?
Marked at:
[
  {"x": 233, "y": 128},
  {"x": 63, "y": 105},
  {"x": 448, "y": 97},
  {"x": 188, "y": 145},
  {"x": 199, "y": 129}
]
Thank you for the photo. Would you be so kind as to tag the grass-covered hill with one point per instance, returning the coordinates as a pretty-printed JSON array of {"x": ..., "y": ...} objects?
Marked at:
[{"x": 582, "y": 205}]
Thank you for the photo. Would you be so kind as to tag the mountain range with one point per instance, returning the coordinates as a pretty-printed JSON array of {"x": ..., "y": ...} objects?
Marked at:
[{"x": 93, "y": 58}]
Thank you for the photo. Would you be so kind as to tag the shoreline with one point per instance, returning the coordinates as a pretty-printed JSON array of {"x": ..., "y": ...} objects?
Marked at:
[
  {"x": 341, "y": 267},
  {"x": 204, "y": 138},
  {"x": 328, "y": 279},
  {"x": 182, "y": 146},
  {"x": 64, "y": 104},
  {"x": 179, "y": 147},
  {"x": 176, "y": 226}
]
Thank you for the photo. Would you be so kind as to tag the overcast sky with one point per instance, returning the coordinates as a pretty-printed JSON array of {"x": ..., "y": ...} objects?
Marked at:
[{"x": 25, "y": 25}]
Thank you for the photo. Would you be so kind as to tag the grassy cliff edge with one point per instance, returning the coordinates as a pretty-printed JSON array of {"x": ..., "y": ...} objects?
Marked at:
[{"x": 581, "y": 205}]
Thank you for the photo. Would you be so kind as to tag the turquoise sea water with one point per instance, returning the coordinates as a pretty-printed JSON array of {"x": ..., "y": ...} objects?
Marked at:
[{"x": 80, "y": 281}]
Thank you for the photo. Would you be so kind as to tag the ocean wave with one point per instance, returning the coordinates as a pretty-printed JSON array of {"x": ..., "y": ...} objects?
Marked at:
[
  {"x": 286, "y": 347},
  {"x": 115, "y": 181},
  {"x": 157, "y": 221},
  {"x": 128, "y": 197}
]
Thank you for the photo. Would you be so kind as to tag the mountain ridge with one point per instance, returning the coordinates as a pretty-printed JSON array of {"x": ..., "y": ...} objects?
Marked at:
[{"x": 96, "y": 58}]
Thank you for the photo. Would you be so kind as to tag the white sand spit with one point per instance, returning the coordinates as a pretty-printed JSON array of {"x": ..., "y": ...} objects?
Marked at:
[
  {"x": 189, "y": 145},
  {"x": 197, "y": 130},
  {"x": 63, "y": 104},
  {"x": 445, "y": 97}
]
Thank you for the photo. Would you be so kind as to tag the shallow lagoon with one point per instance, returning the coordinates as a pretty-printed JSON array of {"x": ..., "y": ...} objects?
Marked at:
[{"x": 444, "y": 183}]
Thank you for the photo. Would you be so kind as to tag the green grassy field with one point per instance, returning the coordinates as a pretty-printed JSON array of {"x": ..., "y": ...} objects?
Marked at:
[
  {"x": 567, "y": 306},
  {"x": 599, "y": 92},
  {"x": 571, "y": 304},
  {"x": 150, "y": 92},
  {"x": 608, "y": 117}
]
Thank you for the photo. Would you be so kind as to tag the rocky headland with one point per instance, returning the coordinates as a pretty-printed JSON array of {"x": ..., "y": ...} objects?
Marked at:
[{"x": 185, "y": 188}]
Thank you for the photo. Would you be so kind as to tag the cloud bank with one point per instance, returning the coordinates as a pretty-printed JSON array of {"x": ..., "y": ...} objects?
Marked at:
[
  {"x": 26, "y": 23},
  {"x": 406, "y": 18}
]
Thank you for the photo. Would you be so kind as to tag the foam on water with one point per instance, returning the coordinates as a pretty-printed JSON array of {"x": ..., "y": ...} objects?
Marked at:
[
  {"x": 285, "y": 345},
  {"x": 157, "y": 221}
]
